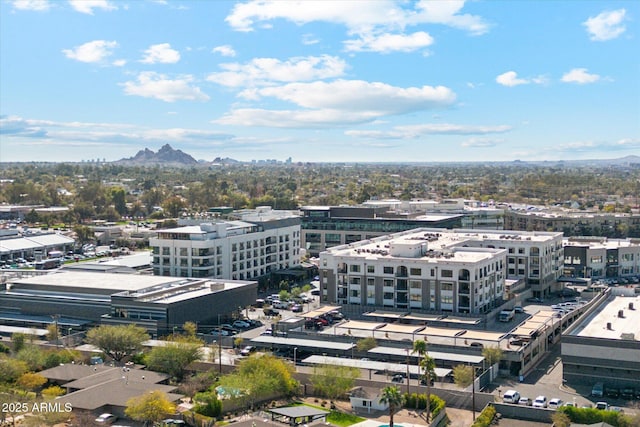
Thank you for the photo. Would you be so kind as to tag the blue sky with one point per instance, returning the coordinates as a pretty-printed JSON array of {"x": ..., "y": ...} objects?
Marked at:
[{"x": 357, "y": 81}]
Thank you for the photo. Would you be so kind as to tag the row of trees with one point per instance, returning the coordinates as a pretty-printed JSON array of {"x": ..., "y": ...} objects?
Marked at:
[{"x": 111, "y": 192}]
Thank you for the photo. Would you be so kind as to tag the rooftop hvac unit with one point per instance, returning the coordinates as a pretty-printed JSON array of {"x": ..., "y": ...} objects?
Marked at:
[
  {"x": 621, "y": 313},
  {"x": 609, "y": 326},
  {"x": 631, "y": 306}
]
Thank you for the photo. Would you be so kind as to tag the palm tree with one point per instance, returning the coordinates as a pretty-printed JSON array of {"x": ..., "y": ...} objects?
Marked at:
[
  {"x": 428, "y": 365},
  {"x": 391, "y": 396}
]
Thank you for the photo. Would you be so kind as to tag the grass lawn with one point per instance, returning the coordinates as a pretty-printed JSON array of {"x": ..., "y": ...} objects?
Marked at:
[{"x": 337, "y": 418}]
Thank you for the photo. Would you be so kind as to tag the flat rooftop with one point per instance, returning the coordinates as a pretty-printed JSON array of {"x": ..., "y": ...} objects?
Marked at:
[
  {"x": 433, "y": 244},
  {"x": 102, "y": 281},
  {"x": 595, "y": 325}
]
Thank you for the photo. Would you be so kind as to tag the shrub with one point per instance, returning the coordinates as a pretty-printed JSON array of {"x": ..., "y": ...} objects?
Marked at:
[
  {"x": 53, "y": 392},
  {"x": 207, "y": 404},
  {"x": 486, "y": 417}
]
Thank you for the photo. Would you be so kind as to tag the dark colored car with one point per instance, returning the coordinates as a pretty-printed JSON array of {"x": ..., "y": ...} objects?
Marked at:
[
  {"x": 612, "y": 392},
  {"x": 628, "y": 393},
  {"x": 270, "y": 312}
]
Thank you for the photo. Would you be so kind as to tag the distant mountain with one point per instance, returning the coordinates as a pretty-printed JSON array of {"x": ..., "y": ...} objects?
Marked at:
[{"x": 166, "y": 156}]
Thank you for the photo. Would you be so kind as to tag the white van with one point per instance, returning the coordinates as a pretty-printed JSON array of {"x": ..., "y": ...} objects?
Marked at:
[
  {"x": 283, "y": 305},
  {"x": 511, "y": 396}
]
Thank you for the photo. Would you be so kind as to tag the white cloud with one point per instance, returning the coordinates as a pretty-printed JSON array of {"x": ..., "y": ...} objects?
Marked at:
[
  {"x": 91, "y": 52},
  {"x": 359, "y": 95},
  {"x": 119, "y": 63},
  {"x": 224, "y": 50},
  {"x": 607, "y": 25},
  {"x": 338, "y": 103},
  {"x": 293, "y": 118},
  {"x": 580, "y": 76},
  {"x": 359, "y": 17},
  {"x": 510, "y": 78},
  {"x": 35, "y": 5},
  {"x": 87, "y": 6},
  {"x": 160, "y": 53},
  {"x": 153, "y": 85},
  {"x": 309, "y": 39},
  {"x": 262, "y": 71},
  {"x": 386, "y": 43},
  {"x": 481, "y": 143},
  {"x": 416, "y": 131}
]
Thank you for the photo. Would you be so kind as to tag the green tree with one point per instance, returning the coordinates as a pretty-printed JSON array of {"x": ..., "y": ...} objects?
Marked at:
[
  {"x": 33, "y": 356},
  {"x": 18, "y": 339},
  {"x": 53, "y": 332},
  {"x": 190, "y": 329},
  {"x": 463, "y": 375},
  {"x": 392, "y": 397},
  {"x": 11, "y": 369},
  {"x": 333, "y": 381},
  {"x": 492, "y": 354},
  {"x": 207, "y": 404},
  {"x": 31, "y": 381},
  {"x": 149, "y": 407},
  {"x": 118, "y": 342},
  {"x": 173, "y": 358},
  {"x": 84, "y": 234},
  {"x": 259, "y": 377},
  {"x": 428, "y": 366}
]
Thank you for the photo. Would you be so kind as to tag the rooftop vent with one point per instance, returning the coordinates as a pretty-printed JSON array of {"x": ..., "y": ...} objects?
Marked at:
[
  {"x": 621, "y": 313},
  {"x": 609, "y": 326},
  {"x": 631, "y": 306}
]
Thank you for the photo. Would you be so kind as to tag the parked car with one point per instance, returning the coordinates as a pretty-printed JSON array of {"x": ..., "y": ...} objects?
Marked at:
[
  {"x": 247, "y": 350},
  {"x": 597, "y": 390},
  {"x": 554, "y": 403},
  {"x": 397, "y": 378},
  {"x": 535, "y": 300},
  {"x": 602, "y": 406},
  {"x": 518, "y": 309},
  {"x": 106, "y": 419},
  {"x": 612, "y": 392},
  {"x": 220, "y": 332},
  {"x": 296, "y": 308},
  {"x": 540, "y": 402},
  {"x": 628, "y": 393},
  {"x": 270, "y": 312},
  {"x": 241, "y": 324},
  {"x": 511, "y": 396},
  {"x": 525, "y": 401}
]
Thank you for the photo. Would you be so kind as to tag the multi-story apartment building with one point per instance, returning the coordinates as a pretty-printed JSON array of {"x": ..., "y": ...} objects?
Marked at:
[
  {"x": 600, "y": 258},
  {"x": 573, "y": 222},
  {"x": 264, "y": 242},
  {"x": 441, "y": 270},
  {"x": 324, "y": 227}
]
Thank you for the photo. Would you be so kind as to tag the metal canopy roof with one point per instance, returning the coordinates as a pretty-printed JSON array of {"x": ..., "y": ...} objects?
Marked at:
[
  {"x": 437, "y": 355},
  {"x": 371, "y": 365},
  {"x": 298, "y": 342}
]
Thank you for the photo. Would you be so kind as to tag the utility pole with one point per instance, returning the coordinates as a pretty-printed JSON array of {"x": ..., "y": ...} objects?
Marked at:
[
  {"x": 473, "y": 392},
  {"x": 408, "y": 376}
]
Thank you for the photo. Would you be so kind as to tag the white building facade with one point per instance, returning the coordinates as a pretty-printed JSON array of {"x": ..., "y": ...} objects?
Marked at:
[
  {"x": 459, "y": 271},
  {"x": 234, "y": 250}
]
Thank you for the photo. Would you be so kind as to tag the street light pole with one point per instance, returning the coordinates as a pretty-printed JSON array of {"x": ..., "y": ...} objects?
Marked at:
[
  {"x": 408, "y": 376},
  {"x": 473, "y": 393},
  {"x": 295, "y": 351}
]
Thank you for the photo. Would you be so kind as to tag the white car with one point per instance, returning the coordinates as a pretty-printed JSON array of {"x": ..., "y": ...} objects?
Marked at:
[
  {"x": 241, "y": 324},
  {"x": 106, "y": 419},
  {"x": 524, "y": 401},
  {"x": 540, "y": 402},
  {"x": 554, "y": 403}
]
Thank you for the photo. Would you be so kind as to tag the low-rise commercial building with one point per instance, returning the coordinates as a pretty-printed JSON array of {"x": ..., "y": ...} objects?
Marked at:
[
  {"x": 604, "y": 346},
  {"x": 601, "y": 257},
  {"x": 156, "y": 303}
]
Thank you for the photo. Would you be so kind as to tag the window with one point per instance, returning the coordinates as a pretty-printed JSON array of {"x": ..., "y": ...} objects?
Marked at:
[
  {"x": 387, "y": 295},
  {"x": 387, "y": 282},
  {"x": 447, "y": 273},
  {"x": 388, "y": 270},
  {"x": 415, "y": 284},
  {"x": 415, "y": 271},
  {"x": 446, "y": 286},
  {"x": 447, "y": 299},
  {"x": 371, "y": 269},
  {"x": 354, "y": 268}
]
